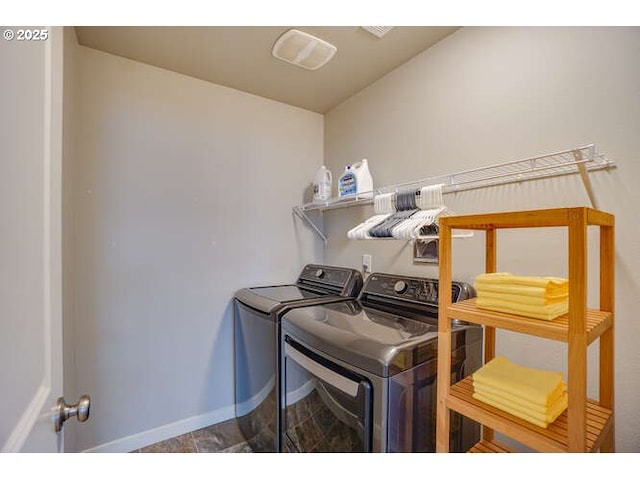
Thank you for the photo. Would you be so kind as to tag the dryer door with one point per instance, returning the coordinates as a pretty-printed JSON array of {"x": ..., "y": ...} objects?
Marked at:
[{"x": 328, "y": 408}]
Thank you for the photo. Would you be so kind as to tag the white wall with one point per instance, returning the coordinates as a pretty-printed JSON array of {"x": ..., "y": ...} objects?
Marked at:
[
  {"x": 182, "y": 194},
  {"x": 488, "y": 95}
]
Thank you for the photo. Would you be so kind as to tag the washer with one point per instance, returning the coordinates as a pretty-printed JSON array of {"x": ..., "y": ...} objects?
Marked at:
[
  {"x": 360, "y": 375},
  {"x": 257, "y": 314}
]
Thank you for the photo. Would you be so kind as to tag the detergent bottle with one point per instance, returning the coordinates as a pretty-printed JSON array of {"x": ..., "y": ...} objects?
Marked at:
[
  {"x": 356, "y": 179},
  {"x": 322, "y": 185},
  {"x": 347, "y": 183}
]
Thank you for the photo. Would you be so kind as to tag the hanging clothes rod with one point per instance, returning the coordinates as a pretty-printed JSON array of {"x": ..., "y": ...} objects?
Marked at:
[{"x": 579, "y": 160}]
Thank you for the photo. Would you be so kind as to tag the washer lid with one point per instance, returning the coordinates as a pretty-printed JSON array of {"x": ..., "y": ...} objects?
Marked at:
[
  {"x": 285, "y": 293},
  {"x": 378, "y": 342},
  {"x": 269, "y": 299}
]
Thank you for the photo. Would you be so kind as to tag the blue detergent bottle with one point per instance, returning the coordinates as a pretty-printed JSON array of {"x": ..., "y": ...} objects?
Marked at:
[
  {"x": 355, "y": 179},
  {"x": 347, "y": 184}
]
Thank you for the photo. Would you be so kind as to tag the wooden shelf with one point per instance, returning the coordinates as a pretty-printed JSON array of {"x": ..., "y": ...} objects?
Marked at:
[
  {"x": 551, "y": 439},
  {"x": 555, "y": 217},
  {"x": 558, "y": 329},
  {"x": 486, "y": 446}
]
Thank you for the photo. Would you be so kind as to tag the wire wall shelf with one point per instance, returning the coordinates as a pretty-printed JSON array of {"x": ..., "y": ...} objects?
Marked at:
[{"x": 580, "y": 160}]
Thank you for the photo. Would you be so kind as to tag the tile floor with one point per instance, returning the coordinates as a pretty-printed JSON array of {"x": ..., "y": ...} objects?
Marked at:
[
  {"x": 309, "y": 416},
  {"x": 223, "y": 437},
  {"x": 312, "y": 427}
]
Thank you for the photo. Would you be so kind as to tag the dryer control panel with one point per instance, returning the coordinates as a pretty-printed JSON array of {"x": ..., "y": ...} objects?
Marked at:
[{"x": 411, "y": 289}]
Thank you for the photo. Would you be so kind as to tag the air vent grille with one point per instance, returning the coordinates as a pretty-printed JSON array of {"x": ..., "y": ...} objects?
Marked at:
[
  {"x": 303, "y": 50},
  {"x": 378, "y": 31}
]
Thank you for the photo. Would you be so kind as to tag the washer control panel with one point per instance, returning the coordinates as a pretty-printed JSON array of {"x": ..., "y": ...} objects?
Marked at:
[
  {"x": 323, "y": 273},
  {"x": 328, "y": 279}
]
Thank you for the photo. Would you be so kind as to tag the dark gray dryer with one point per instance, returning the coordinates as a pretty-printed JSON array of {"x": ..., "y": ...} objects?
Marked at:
[
  {"x": 257, "y": 314},
  {"x": 360, "y": 376}
]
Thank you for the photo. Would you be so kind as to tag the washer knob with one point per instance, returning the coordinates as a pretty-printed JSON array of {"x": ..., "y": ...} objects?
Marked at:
[
  {"x": 319, "y": 273},
  {"x": 400, "y": 286}
]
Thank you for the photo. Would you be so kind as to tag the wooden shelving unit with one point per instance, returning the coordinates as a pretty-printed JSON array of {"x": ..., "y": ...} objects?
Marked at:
[{"x": 587, "y": 425}]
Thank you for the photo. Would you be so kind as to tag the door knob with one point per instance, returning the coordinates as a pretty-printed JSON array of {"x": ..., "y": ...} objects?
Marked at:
[{"x": 64, "y": 411}]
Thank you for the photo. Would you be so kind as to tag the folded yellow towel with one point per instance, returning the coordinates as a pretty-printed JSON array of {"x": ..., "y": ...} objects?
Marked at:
[
  {"x": 541, "y": 420},
  {"x": 507, "y": 396},
  {"x": 518, "y": 299},
  {"x": 548, "y": 416},
  {"x": 539, "y": 386},
  {"x": 541, "y": 312},
  {"x": 551, "y": 285},
  {"x": 520, "y": 290}
]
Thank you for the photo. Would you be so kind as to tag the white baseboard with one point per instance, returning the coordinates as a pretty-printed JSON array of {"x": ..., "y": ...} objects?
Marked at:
[
  {"x": 164, "y": 432},
  {"x": 254, "y": 402}
]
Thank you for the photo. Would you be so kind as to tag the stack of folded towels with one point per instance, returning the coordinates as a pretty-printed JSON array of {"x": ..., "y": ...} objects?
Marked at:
[
  {"x": 536, "y": 396},
  {"x": 544, "y": 298}
]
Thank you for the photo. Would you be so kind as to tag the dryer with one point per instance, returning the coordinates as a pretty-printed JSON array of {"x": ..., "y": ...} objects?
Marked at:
[{"x": 360, "y": 376}]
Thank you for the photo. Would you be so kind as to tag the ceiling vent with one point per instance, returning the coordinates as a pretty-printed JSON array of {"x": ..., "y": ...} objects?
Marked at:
[
  {"x": 303, "y": 50},
  {"x": 378, "y": 31}
]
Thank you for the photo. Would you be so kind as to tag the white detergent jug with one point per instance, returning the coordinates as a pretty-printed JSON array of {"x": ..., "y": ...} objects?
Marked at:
[
  {"x": 356, "y": 179},
  {"x": 322, "y": 185}
]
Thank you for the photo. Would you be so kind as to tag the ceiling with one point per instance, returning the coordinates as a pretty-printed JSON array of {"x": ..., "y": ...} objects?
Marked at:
[{"x": 240, "y": 57}]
